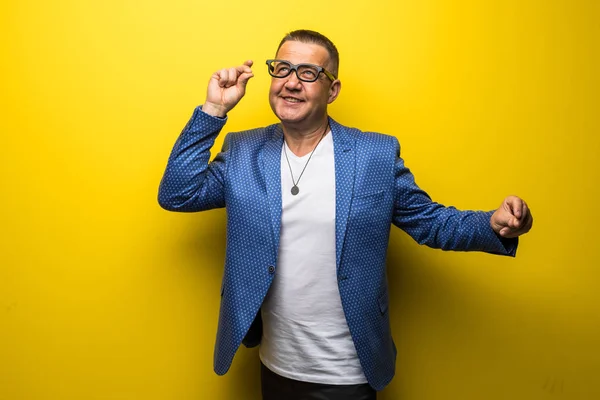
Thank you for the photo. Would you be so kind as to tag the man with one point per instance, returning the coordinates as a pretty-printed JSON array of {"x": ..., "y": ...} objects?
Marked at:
[{"x": 309, "y": 208}]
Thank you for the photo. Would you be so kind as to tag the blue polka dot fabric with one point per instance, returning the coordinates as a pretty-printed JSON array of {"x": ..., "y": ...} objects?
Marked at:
[{"x": 374, "y": 190}]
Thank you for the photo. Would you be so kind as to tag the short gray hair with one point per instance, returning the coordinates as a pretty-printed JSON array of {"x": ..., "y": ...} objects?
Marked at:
[{"x": 307, "y": 36}]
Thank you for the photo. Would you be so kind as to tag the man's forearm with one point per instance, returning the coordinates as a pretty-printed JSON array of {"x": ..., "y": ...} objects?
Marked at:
[{"x": 190, "y": 183}]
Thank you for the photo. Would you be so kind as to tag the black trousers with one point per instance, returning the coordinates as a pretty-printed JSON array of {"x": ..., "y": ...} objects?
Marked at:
[{"x": 276, "y": 387}]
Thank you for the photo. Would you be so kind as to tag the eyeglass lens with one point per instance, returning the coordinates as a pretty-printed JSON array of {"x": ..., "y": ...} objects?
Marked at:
[{"x": 281, "y": 69}]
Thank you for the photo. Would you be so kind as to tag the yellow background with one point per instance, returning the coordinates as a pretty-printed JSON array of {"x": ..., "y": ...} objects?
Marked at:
[{"x": 103, "y": 295}]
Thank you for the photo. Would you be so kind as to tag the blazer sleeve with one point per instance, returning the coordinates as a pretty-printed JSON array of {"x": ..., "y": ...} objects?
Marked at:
[
  {"x": 190, "y": 183},
  {"x": 438, "y": 226}
]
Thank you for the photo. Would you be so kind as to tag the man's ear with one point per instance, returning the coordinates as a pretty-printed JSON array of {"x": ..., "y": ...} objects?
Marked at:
[{"x": 334, "y": 91}]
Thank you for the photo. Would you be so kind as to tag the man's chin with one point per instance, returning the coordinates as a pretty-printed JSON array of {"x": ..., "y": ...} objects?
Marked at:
[{"x": 290, "y": 117}]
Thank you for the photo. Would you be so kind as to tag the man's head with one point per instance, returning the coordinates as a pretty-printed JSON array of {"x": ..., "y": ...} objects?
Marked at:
[
  {"x": 294, "y": 98},
  {"x": 306, "y": 36}
]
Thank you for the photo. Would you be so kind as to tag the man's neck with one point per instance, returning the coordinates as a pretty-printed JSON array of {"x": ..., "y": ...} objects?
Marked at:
[{"x": 302, "y": 141}]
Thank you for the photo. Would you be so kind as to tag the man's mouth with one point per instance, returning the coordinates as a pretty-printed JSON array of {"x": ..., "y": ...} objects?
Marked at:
[{"x": 291, "y": 99}]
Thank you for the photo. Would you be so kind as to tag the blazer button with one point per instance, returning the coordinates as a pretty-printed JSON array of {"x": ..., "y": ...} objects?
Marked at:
[{"x": 271, "y": 269}]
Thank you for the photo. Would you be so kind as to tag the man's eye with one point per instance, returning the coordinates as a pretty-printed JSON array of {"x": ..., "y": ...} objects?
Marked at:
[{"x": 282, "y": 69}]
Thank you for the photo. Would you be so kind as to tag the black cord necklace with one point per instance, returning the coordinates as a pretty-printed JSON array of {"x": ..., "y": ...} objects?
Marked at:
[{"x": 295, "y": 189}]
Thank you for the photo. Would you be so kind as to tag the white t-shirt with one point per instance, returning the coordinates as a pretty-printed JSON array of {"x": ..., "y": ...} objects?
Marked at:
[{"x": 305, "y": 333}]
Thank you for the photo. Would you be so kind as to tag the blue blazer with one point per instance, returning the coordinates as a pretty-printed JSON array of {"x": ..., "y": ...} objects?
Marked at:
[{"x": 373, "y": 191}]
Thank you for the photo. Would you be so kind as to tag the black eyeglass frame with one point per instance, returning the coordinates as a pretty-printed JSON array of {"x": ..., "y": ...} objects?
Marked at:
[{"x": 294, "y": 68}]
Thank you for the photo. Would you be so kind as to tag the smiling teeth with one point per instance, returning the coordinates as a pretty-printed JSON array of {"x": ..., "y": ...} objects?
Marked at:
[{"x": 292, "y": 99}]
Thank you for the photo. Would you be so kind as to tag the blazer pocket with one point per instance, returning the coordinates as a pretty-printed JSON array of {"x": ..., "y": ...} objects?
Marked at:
[{"x": 369, "y": 198}]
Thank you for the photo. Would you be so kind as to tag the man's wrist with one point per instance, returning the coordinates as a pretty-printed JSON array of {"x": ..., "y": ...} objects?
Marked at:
[{"x": 213, "y": 110}]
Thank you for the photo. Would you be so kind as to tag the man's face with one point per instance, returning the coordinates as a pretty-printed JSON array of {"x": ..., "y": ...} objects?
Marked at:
[{"x": 302, "y": 103}]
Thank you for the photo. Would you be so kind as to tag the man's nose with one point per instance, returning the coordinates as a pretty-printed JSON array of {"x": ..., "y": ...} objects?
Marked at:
[{"x": 292, "y": 82}]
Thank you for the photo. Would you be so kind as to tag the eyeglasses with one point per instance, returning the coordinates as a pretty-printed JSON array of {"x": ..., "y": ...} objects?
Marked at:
[{"x": 304, "y": 72}]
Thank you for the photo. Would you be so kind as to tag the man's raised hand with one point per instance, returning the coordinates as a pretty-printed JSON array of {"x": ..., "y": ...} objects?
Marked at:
[
  {"x": 226, "y": 88},
  {"x": 512, "y": 218}
]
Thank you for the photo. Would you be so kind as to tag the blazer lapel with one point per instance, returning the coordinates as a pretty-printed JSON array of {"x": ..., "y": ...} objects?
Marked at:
[
  {"x": 345, "y": 163},
  {"x": 270, "y": 161}
]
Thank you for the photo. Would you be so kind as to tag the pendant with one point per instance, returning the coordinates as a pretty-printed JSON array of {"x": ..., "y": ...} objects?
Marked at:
[{"x": 295, "y": 190}]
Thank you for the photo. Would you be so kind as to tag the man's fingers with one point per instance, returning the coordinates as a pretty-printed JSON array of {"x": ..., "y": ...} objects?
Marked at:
[
  {"x": 512, "y": 204},
  {"x": 525, "y": 212},
  {"x": 512, "y": 219},
  {"x": 222, "y": 77},
  {"x": 231, "y": 77},
  {"x": 244, "y": 78},
  {"x": 517, "y": 227},
  {"x": 528, "y": 222},
  {"x": 239, "y": 76},
  {"x": 228, "y": 77},
  {"x": 520, "y": 208},
  {"x": 517, "y": 207},
  {"x": 245, "y": 67},
  {"x": 514, "y": 223}
]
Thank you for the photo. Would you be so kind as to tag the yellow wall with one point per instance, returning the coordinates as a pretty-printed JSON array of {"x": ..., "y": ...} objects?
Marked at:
[{"x": 103, "y": 295}]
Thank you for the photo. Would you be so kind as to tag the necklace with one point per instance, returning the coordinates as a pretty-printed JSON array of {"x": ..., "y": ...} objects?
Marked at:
[{"x": 295, "y": 189}]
